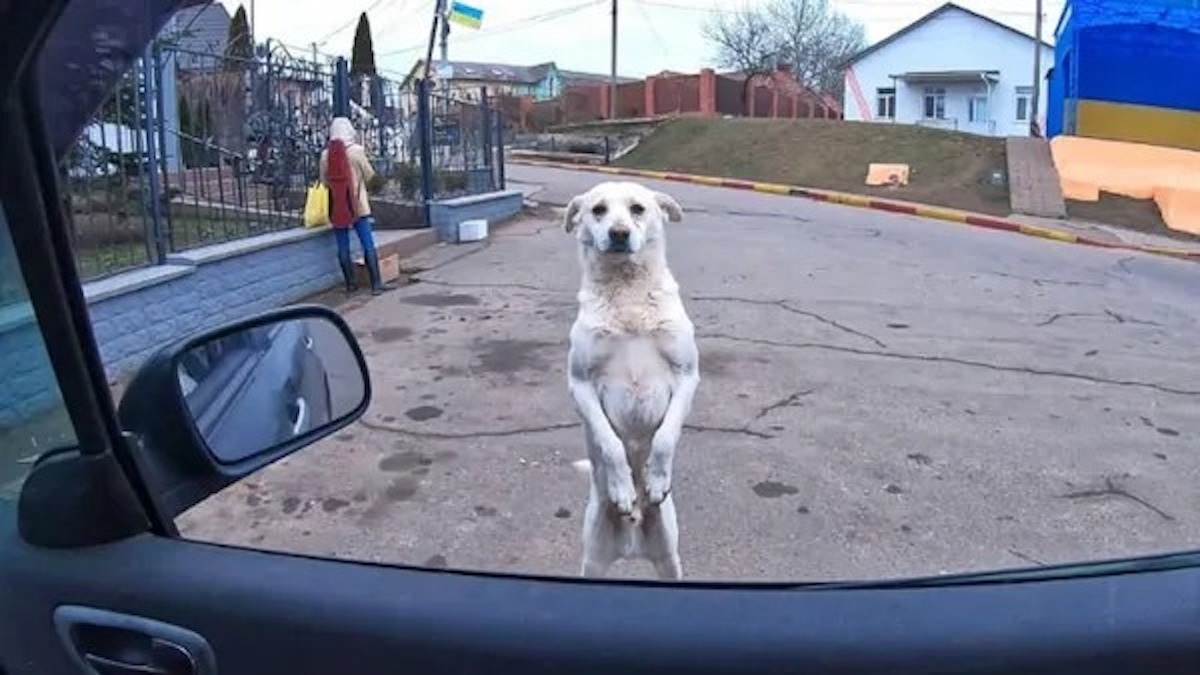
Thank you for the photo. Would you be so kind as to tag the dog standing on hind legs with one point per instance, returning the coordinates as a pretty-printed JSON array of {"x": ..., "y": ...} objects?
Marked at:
[{"x": 632, "y": 370}]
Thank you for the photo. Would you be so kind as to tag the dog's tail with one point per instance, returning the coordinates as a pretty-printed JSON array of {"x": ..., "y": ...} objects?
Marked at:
[{"x": 583, "y": 466}]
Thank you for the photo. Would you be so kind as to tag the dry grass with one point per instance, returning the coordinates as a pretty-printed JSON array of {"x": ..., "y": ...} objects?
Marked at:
[
  {"x": 947, "y": 168},
  {"x": 1141, "y": 215}
]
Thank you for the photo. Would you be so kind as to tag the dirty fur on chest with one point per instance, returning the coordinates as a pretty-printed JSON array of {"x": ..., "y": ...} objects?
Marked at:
[{"x": 630, "y": 358}]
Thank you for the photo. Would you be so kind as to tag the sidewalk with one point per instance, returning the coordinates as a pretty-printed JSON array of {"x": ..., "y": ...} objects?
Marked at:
[
  {"x": 1113, "y": 236},
  {"x": 1034, "y": 187}
]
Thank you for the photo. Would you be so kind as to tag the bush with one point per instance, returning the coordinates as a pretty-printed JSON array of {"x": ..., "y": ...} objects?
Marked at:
[
  {"x": 451, "y": 181},
  {"x": 376, "y": 184},
  {"x": 408, "y": 177}
]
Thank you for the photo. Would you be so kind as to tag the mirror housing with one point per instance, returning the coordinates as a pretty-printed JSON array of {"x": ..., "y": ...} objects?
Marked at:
[{"x": 170, "y": 434}]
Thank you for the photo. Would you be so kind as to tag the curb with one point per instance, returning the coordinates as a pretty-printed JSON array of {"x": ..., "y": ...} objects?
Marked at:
[{"x": 862, "y": 201}]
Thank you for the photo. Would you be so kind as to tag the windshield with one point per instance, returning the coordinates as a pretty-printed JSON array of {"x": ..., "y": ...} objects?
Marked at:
[{"x": 928, "y": 303}]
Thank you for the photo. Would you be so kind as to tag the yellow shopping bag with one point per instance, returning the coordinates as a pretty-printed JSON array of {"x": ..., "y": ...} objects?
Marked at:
[{"x": 316, "y": 206}]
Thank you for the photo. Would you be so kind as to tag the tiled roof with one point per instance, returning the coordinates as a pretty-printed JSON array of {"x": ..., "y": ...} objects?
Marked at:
[
  {"x": 571, "y": 77},
  {"x": 200, "y": 33},
  {"x": 498, "y": 72}
]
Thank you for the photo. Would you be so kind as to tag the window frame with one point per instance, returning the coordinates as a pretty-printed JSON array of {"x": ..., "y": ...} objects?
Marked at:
[
  {"x": 972, "y": 109},
  {"x": 935, "y": 98},
  {"x": 885, "y": 98},
  {"x": 1022, "y": 95}
]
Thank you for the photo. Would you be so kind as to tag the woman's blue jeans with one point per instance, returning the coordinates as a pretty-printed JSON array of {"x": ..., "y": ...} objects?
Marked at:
[{"x": 362, "y": 227}]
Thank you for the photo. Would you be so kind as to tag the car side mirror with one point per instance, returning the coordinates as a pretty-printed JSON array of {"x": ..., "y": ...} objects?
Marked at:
[{"x": 215, "y": 407}]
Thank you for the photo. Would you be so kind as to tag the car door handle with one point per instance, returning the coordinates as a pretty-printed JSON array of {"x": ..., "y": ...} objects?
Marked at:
[
  {"x": 301, "y": 422},
  {"x": 109, "y": 643}
]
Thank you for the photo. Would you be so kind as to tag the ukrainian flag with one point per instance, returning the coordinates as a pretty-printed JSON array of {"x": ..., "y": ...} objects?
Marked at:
[{"x": 465, "y": 15}]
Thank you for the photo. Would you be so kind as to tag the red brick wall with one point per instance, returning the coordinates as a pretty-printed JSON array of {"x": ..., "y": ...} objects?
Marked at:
[
  {"x": 729, "y": 96},
  {"x": 581, "y": 104},
  {"x": 677, "y": 95},
  {"x": 631, "y": 100},
  {"x": 680, "y": 94}
]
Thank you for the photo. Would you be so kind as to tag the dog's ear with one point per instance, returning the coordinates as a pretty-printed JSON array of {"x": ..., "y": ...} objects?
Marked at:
[
  {"x": 572, "y": 214},
  {"x": 669, "y": 206}
]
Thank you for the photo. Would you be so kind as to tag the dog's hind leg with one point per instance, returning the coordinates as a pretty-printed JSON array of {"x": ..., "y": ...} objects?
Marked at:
[
  {"x": 661, "y": 540},
  {"x": 600, "y": 546}
]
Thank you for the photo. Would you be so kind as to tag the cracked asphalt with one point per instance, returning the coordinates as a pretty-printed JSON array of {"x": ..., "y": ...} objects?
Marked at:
[{"x": 883, "y": 396}]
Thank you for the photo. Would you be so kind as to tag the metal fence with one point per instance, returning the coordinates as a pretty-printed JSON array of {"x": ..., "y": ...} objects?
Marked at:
[
  {"x": 195, "y": 149},
  {"x": 463, "y": 152}
]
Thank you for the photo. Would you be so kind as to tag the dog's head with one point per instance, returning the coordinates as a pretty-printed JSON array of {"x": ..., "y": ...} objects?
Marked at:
[{"x": 620, "y": 218}]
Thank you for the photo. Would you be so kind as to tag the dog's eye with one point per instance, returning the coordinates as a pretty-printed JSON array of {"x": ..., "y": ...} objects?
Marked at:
[
  {"x": 637, "y": 209},
  {"x": 599, "y": 210}
]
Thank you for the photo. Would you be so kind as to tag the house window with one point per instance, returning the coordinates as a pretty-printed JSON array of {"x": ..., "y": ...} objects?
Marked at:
[
  {"x": 935, "y": 103},
  {"x": 885, "y": 103},
  {"x": 1024, "y": 94},
  {"x": 977, "y": 109}
]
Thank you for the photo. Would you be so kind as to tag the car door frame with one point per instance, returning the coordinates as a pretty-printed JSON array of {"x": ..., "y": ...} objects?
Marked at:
[{"x": 267, "y": 611}]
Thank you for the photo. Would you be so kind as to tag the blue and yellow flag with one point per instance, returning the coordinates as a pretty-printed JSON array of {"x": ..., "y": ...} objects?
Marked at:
[{"x": 465, "y": 15}]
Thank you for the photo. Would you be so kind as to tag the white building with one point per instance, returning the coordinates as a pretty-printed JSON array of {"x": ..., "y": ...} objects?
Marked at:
[{"x": 951, "y": 69}]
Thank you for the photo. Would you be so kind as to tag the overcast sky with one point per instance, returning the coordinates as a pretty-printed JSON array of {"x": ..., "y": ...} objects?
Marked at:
[{"x": 655, "y": 35}]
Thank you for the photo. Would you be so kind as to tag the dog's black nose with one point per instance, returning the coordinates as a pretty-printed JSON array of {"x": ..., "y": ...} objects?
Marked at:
[{"x": 618, "y": 238}]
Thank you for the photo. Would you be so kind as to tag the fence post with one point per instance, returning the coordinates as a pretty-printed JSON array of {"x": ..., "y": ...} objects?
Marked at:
[
  {"x": 341, "y": 89},
  {"x": 485, "y": 112},
  {"x": 163, "y": 114},
  {"x": 425, "y": 124},
  {"x": 150, "y": 171},
  {"x": 500, "y": 150},
  {"x": 380, "y": 108}
]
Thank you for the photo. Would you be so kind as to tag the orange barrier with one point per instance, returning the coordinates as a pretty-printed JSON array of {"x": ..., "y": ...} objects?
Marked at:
[{"x": 1169, "y": 176}]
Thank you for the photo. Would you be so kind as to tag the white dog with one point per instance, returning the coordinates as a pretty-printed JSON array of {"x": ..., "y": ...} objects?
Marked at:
[{"x": 632, "y": 369}]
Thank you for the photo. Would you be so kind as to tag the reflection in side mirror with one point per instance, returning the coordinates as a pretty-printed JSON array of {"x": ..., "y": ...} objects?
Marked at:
[{"x": 253, "y": 390}]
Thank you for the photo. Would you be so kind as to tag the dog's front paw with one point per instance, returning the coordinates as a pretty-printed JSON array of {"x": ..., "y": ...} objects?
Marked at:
[
  {"x": 622, "y": 494},
  {"x": 658, "y": 487}
]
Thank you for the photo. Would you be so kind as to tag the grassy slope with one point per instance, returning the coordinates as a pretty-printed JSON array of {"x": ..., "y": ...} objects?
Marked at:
[{"x": 947, "y": 168}]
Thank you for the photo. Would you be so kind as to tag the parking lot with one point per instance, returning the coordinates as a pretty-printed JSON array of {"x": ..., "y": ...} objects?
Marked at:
[{"x": 882, "y": 396}]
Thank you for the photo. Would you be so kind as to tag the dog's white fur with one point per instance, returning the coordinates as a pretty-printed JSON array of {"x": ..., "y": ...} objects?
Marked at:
[{"x": 632, "y": 371}]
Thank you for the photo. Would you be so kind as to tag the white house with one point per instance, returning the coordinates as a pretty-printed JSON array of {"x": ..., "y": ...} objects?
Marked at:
[{"x": 951, "y": 69}]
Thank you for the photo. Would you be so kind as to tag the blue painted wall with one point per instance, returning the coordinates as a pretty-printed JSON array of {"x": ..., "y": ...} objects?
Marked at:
[
  {"x": 1141, "y": 53},
  {"x": 130, "y": 325},
  {"x": 493, "y": 207}
]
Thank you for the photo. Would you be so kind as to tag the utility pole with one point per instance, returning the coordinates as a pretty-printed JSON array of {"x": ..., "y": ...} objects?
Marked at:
[
  {"x": 445, "y": 36},
  {"x": 439, "y": 14},
  {"x": 612, "y": 77},
  {"x": 1035, "y": 99}
]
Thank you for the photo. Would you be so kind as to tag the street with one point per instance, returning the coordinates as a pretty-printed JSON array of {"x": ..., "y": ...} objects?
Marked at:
[{"x": 882, "y": 396}]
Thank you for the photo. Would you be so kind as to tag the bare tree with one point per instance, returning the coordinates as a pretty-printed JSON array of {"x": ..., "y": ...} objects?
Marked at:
[{"x": 809, "y": 35}]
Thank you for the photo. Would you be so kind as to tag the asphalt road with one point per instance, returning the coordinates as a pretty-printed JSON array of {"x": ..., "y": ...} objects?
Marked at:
[{"x": 883, "y": 396}]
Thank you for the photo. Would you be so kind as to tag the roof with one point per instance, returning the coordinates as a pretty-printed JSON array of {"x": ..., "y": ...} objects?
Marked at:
[
  {"x": 949, "y": 6},
  {"x": 497, "y": 72},
  {"x": 478, "y": 71},
  {"x": 201, "y": 33},
  {"x": 949, "y": 76},
  {"x": 577, "y": 77}
]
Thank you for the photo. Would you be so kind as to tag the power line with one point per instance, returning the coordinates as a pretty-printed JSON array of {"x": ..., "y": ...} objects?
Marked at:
[
  {"x": 515, "y": 25},
  {"x": 371, "y": 7},
  {"x": 875, "y": 4},
  {"x": 662, "y": 44},
  {"x": 408, "y": 11}
]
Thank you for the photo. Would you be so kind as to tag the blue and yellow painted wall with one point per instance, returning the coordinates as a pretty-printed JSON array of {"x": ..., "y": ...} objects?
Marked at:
[{"x": 1127, "y": 70}]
